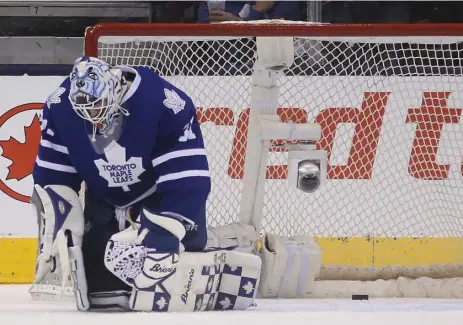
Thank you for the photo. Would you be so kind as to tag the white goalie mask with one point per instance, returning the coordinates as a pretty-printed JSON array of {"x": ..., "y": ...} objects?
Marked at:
[{"x": 96, "y": 92}]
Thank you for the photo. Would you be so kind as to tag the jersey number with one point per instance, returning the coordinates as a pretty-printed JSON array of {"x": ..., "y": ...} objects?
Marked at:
[{"x": 187, "y": 133}]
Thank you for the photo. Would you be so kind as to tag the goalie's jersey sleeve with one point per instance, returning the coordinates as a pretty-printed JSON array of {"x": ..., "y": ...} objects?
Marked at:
[
  {"x": 160, "y": 150},
  {"x": 53, "y": 164}
]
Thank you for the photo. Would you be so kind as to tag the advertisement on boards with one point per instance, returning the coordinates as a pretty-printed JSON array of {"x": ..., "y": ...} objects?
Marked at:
[
  {"x": 391, "y": 144},
  {"x": 19, "y": 138}
]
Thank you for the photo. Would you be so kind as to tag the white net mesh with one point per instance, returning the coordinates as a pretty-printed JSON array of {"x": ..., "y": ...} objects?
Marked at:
[
  {"x": 390, "y": 114},
  {"x": 390, "y": 110}
]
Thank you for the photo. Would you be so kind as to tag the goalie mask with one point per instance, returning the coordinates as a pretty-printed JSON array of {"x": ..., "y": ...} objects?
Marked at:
[{"x": 96, "y": 92}]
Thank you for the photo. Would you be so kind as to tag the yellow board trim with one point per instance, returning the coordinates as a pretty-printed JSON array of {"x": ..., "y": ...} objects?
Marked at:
[
  {"x": 17, "y": 255},
  {"x": 17, "y": 260},
  {"x": 391, "y": 252},
  {"x": 418, "y": 252}
]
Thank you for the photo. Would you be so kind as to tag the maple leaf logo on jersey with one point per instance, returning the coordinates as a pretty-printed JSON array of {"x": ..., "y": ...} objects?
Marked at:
[
  {"x": 55, "y": 98},
  {"x": 118, "y": 171},
  {"x": 173, "y": 101}
]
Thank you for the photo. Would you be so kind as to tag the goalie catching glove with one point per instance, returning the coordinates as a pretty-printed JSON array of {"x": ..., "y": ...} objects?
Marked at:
[{"x": 174, "y": 281}]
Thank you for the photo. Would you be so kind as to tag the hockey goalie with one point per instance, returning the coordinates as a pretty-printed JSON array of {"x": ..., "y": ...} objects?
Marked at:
[{"x": 140, "y": 242}]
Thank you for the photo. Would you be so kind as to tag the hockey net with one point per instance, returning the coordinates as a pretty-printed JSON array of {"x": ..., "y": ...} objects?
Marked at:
[{"x": 389, "y": 101}]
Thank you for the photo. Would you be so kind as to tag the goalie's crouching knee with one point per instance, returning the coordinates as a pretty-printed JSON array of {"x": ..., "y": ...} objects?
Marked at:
[{"x": 220, "y": 280}]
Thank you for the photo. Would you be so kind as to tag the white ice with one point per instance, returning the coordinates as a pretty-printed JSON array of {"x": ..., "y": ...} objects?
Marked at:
[{"x": 17, "y": 307}]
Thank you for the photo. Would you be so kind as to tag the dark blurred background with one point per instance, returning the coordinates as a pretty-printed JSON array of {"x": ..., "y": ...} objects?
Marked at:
[
  {"x": 69, "y": 19},
  {"x": 52, "y": 32}
]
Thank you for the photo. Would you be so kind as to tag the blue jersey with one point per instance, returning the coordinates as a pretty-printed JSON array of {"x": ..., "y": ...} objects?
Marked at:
[{"x": 157, "y": 150}]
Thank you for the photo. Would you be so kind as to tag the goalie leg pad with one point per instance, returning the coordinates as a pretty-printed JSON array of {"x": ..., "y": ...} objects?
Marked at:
[
  {"x": 290, "y": 266},
  {"x": 239, "y": 281},
  {"x": 58, "y": 208},
  {"x": 220, "y": 280},
  {"x": 61, "y": 227}
]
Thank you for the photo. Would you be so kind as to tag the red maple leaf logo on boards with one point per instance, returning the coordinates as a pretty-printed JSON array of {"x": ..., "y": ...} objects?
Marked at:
[{"x": 22, "y": 155}]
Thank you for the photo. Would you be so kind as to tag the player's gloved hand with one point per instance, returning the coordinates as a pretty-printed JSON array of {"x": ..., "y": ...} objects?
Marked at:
[
  {"x": 146, "y": 258},
  {"x": 162, "y": 232}
]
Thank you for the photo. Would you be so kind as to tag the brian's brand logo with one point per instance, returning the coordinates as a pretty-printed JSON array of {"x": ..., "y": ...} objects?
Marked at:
[
  {"x": 187, "y": 287},
  {"x": 158, "y": 268},
  {"x": 159, "y": 271},
  {"x": 19, "y": 143}
]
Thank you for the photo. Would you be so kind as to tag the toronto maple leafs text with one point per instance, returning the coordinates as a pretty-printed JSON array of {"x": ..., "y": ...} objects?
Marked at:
[{"x": 120, "y": 173}]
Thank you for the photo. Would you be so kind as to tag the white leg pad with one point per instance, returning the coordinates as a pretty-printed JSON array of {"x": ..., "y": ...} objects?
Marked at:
[
  {"x": 290, "y": 266},
  {"x": 222, "y": 280},
  {"x": 187, "y": 281}
]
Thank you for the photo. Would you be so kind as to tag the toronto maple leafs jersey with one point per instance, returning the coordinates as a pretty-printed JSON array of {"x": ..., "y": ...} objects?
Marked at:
[{"x": 157, "y": 149}]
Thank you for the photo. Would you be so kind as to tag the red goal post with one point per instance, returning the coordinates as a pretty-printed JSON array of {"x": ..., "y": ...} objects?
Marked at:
[
  {"x": 389, "y": 102},
  {"x": 292, "y": 29}
]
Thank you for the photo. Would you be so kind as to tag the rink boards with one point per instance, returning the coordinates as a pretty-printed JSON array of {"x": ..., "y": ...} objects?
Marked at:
[{"x": 355, "y": 234}]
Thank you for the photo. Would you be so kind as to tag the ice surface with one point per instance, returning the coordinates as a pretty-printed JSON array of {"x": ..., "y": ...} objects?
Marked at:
[{"x": 16, "y": 307}]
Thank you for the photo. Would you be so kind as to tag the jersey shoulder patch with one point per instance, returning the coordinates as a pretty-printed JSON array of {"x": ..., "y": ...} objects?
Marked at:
[
  {"x": 55, "y": 97},
  {"x": 173, "y": 101}
]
